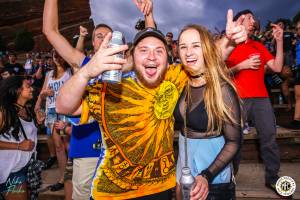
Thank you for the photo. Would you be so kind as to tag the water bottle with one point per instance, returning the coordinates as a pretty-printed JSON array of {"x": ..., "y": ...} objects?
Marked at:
[
  {"x": 280, "y": 99},
  {"x": 62, "y": 118},
  {"x": 114, "y": 76},
  {"x": 186, "y": 183}
]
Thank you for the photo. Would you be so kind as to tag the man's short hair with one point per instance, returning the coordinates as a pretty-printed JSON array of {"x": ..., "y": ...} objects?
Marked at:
[
  {"x": 103, "y": 26},
  {"x": 283, "y": 21},
  {"x": 169, "y": 34},
  {"x": 100, "y": 26},
  {"x": 12, "y": 53},
  {"x": 243, "y": 12}
]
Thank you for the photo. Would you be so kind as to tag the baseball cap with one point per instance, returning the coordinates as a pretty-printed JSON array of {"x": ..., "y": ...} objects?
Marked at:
[{"x": 149, "y": 32}]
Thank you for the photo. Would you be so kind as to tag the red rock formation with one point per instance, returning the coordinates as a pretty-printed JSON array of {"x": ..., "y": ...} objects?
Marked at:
[{"x": 20, "y": 14}]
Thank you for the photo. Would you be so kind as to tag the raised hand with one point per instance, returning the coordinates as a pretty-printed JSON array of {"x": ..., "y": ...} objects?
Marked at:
[
  {"x": 83, "y": 31},
  {"x": 277, "y": 32},
  {"x": 145, "y": 6},
  {"x": 200, "y": 190},
  {"x": 235, "y": 31},
  {"x": 105, "y": 59}
]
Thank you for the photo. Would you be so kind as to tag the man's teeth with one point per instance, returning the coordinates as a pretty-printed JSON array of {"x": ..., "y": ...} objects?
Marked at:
[{"x": 151, "y": 66}]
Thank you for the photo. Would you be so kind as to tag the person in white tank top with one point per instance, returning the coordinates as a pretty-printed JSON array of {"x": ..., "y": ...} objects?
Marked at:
[
  {"x": 15, "y": 150},
  {"x": 54, "y": 121}
]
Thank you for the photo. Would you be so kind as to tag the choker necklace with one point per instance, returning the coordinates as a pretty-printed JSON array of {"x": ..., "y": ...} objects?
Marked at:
[{"x": 197, "y": 76}]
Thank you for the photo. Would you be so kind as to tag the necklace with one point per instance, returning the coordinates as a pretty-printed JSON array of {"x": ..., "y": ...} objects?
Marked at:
[
  {"x": 197, "y": 76},
  {"x": 197, "y": 80}
]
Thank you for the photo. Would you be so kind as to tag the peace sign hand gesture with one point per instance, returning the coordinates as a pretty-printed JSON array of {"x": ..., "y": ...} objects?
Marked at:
[{"x": 235, "y": 31}]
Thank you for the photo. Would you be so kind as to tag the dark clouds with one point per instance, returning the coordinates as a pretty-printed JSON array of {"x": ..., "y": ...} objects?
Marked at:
[{"x": 172, "y": 15}]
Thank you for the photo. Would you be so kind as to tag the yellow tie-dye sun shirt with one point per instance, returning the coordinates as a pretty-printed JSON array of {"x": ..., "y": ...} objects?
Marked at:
[{"x": 137, "y": 130}]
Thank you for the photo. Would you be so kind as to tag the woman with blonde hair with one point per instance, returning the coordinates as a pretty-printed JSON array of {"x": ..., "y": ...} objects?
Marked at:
[{"x": 209, "y": 116}]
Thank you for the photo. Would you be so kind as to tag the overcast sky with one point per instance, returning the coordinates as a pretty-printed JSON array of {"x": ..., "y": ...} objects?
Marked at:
[{"x": 172, "y": 15}]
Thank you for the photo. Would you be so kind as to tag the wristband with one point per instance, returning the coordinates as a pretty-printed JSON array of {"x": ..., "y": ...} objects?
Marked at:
[{"x": 207, "y": 175}]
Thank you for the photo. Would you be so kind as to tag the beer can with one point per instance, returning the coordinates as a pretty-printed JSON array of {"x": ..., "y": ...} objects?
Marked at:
[{"x": 114, "y": 76}]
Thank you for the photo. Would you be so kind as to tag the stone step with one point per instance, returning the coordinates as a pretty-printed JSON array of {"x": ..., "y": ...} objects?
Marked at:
[
  {"x": 278, "y": 90},
  {"x": 250, "y": 182}
]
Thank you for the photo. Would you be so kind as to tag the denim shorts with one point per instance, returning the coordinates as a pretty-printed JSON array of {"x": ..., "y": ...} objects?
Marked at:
[
  {"x": 51, "y": 117},
  {"x": 14, "y": 181}
]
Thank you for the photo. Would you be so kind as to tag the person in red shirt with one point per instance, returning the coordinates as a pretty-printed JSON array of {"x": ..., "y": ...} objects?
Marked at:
[{"x": 247, "y": 62}]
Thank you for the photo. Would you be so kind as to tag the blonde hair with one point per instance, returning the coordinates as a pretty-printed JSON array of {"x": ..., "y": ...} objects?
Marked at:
[{"x": 216, "y": 74}]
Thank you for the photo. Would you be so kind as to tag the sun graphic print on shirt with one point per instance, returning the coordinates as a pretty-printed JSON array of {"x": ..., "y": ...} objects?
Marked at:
[{"x": 137, "y": 127}]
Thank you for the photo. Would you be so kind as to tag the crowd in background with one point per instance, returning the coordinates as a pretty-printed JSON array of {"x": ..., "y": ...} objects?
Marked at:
[{"x": 38, "y": 68}]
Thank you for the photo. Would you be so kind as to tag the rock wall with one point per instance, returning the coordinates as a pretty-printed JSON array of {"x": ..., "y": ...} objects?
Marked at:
[{"x": 19, "y": 14}]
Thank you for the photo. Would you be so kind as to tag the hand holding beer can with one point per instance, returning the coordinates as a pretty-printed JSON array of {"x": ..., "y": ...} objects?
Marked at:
[{"x": 114, "y": 76}]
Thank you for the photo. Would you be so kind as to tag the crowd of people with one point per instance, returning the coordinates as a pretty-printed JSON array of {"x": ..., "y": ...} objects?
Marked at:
[{"x": 115, "y": 141}]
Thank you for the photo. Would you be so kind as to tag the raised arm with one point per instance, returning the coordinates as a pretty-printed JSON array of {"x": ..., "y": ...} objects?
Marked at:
[
  {"x": 83, "y": 32},
  {"x": 69, "y": 98},
  {"x": 50, "y": 28},
  {"x": 235, "y": 34},
  {"x": 277, "y": 63},
  {"x": 146, "y": 7}
]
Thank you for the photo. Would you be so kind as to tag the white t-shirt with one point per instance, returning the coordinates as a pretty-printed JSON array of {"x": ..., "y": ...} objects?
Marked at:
[
  {"x": 55, "y": 85},
  {"x": 28, "y": 64},
  {"x": 14, "y": 160}
]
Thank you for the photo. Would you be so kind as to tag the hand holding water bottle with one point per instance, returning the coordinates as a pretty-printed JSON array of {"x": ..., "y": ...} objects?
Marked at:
[
  {"x": 200, "y": 190},
  {"x": 60, "y": 125},
  {"x": 187, "y": 182}
]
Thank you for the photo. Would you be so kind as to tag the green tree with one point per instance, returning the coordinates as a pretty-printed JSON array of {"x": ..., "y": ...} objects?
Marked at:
[{"x": 24, "y": 40}]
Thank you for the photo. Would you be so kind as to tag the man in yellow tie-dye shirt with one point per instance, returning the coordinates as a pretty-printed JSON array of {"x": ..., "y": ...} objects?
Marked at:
[{"x": 136, "y": 118}]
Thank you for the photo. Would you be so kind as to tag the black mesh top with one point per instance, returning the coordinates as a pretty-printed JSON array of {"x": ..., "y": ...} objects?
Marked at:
[{"x": 197, "y": 121}]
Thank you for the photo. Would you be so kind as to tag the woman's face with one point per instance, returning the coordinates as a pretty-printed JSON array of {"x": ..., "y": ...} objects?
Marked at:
[
  {"x": 190, "y": 52},
  {"x": 26, "y": 91}
]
